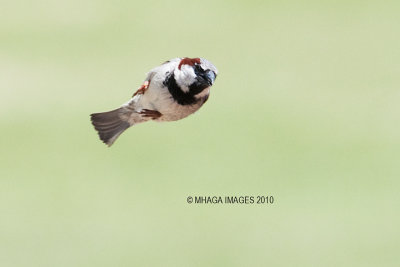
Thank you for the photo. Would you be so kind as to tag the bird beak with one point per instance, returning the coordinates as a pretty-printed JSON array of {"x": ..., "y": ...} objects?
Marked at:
[{"x": 210, "y": 76}]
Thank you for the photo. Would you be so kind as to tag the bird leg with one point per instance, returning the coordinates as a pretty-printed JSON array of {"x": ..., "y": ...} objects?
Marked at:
[
  {"x": 142, "y": 88},
  {"x": 148, "y": 113}
]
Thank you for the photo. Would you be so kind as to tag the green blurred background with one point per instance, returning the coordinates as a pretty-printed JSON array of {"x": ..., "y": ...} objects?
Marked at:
[{"x": 306, "y": 109}]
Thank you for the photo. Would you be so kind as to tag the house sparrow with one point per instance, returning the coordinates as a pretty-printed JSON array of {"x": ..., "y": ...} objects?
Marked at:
[{"x": 170, "y": 92}]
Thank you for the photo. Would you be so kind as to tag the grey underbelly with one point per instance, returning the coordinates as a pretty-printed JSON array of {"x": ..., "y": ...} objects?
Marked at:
[
  {"x": 177, "y": 112},
  {"x": 166, "y": 105}
]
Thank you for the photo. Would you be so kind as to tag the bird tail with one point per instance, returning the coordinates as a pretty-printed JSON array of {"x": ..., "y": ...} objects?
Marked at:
[{"x": 109, "y": 125}]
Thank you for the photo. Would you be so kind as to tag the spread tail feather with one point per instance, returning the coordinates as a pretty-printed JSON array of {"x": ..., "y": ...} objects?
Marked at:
[{"x": 109, "y": 125}]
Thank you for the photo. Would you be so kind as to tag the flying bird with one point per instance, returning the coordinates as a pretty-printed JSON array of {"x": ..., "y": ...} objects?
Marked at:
[{"x": 170, "y": 92}]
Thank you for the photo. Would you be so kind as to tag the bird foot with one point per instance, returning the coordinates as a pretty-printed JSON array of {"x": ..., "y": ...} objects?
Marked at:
[
  {"x": 148, "y": 113},
  {"x": 142, "y": 88}
]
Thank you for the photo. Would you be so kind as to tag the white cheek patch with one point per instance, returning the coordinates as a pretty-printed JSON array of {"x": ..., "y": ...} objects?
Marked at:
[{"x": 185, "y": 77}]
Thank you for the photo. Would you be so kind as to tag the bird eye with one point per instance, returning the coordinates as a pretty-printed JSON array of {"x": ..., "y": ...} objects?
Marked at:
[{"x": 198, "y": 68}]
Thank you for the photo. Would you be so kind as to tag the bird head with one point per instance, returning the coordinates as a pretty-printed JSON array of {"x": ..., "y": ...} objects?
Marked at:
[{"x": 193, "y": 75}]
